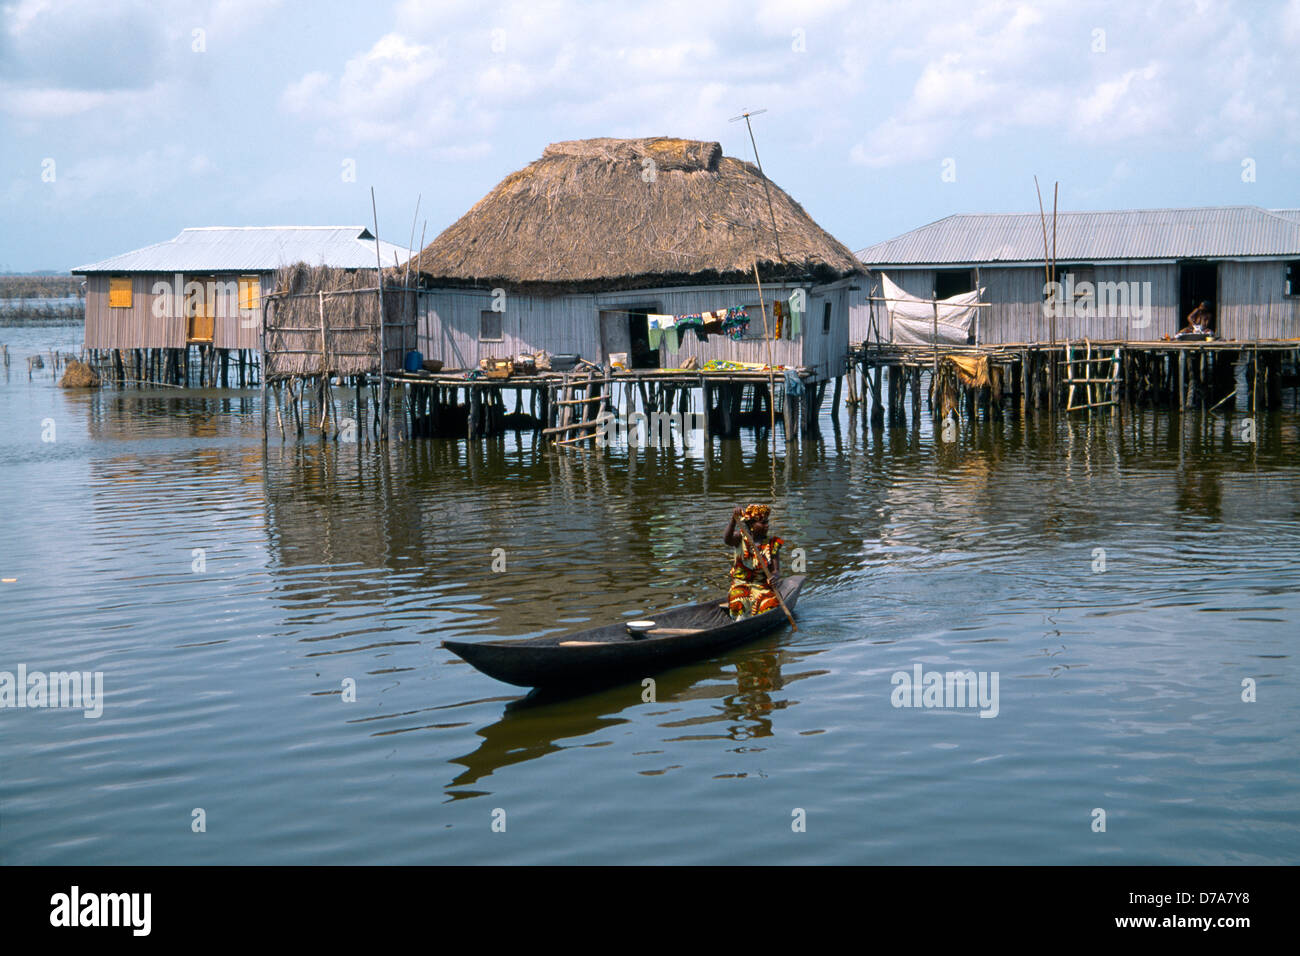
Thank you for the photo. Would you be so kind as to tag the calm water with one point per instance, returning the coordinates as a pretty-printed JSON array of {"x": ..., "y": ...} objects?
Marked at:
[{"x": 1120, "y": 688}]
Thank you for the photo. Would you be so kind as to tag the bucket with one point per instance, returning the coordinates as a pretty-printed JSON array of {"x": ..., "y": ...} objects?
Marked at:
[{"x": 414, "y": 361}]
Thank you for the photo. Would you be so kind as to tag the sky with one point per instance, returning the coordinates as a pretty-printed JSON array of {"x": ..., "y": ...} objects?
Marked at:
[{"x": 121, "y": 123}]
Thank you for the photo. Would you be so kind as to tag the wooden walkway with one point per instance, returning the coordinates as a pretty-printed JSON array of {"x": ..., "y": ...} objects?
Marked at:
[
  {"x": 568, "y": 406},
  {"x": 1081, "y": 375}
]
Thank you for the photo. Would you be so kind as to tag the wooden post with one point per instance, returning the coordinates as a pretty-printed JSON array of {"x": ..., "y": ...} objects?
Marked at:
[
  {"x": 877, "y": 409},
  {"x": 1182, "y": 379},
  {"x": 894, "y": 403},
  {"x": 261, "y": 347},
  {"x": 379, "y": 282}
]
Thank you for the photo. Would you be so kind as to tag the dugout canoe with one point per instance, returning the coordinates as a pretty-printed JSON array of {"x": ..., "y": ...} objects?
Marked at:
[{"x": 610, "y": 653}]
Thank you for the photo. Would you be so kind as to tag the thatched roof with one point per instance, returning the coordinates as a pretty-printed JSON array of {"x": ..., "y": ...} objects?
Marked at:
[{"x": 625, "y": 213}]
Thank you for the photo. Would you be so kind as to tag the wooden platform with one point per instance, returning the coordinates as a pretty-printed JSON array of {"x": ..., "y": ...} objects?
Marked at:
[
  {"x": 566, "y": 406},
  {"x": 455, "y": 378},
  {"x": 1081, "y": 375}
]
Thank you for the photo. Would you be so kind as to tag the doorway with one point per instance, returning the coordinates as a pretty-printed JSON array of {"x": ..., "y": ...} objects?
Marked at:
[
  {"x": 638, "y": 330},
  {"x": 201, "y": 312},
  {"x": 1198, "y": 281}
]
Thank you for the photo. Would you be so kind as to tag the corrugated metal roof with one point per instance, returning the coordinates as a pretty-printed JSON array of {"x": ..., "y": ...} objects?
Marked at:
[
  {"x": 1210, "y": 232},
  {"x": 254, "y": 249}
]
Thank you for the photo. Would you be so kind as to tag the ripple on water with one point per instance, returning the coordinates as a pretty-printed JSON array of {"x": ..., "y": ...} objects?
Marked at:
[{"x": 235, "y": 597}]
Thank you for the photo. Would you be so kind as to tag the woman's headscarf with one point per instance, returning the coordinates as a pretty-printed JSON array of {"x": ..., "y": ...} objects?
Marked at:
[{"x": 755, "y": 511}]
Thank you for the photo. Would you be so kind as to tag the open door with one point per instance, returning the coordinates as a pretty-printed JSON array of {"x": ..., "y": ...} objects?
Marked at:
[
  {"x": 614, "y": 335},
  {"x": 1198, "y": 281},
  {"x": 638, "y": 331}
]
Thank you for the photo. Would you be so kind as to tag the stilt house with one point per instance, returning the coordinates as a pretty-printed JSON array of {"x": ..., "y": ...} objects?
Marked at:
[{"x": 576, "y": 253}]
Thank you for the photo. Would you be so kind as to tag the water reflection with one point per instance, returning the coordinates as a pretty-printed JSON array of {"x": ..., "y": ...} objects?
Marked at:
[
  {"x": 533, "y": 726},
  {"x": 328, "y": 561}
]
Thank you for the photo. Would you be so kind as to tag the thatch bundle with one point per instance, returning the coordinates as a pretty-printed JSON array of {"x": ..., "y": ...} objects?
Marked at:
[
  {"x": 623, "y": 213},
  {"x": 326, "y": 321},
  {"x": 79, "y": 375}
]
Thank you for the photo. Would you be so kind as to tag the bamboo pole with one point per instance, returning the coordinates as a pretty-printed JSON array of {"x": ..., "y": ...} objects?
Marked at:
[
  {"x": 379, "y": 284},
  {"x": 762, "y": 305}
]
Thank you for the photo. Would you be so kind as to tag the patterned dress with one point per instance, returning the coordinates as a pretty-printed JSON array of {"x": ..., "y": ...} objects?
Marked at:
[{"x": 750, "y": 594}]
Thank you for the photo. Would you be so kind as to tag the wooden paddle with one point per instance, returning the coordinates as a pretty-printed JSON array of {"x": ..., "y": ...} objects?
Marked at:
[{"x": 767, "y": 572}]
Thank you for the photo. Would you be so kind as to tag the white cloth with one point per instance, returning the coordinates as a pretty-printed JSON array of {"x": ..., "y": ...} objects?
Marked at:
[{"x": 912, "y": 319}]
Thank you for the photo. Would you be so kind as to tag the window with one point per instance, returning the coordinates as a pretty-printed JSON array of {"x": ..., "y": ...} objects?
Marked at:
[
  {"x": 489, "y": 326},
  {"x": 119, "y": 292},
  {"x": 250, "y": 292},
  {"x": 1072, "y": 279},
  {"x": 826, "y": 317},
  {"x": 950, "y": 282},
  {"x": 755, "y": 312},
  {"x": 1293, "y": 278}
]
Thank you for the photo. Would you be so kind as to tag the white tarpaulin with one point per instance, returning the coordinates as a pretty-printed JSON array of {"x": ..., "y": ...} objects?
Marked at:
[{"x": 912, "y": 320}]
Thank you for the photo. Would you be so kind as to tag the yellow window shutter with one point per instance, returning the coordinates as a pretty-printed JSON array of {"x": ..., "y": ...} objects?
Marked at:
[
  {"x": 119, "y": 292},
  {"x": 250, "y": 292}
]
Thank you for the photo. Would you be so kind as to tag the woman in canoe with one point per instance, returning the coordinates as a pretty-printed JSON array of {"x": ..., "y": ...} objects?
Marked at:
[{"x": 750, "y": 593}]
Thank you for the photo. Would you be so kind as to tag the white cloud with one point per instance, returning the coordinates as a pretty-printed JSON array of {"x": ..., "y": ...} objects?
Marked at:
[
  {"x": 1184, "y": 76},
  {"x": 389, "y": 93},
  {"x": 1125, "y": 106},
  {"x": 49, "y": 103},
  {"x": 304, "y": 95},
  {"x": 674, "y": 67},
  {"x": 1291, "y": 22}
]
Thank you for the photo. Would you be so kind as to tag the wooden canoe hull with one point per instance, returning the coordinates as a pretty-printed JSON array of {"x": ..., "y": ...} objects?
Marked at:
[{"x": 609, "y": 654}]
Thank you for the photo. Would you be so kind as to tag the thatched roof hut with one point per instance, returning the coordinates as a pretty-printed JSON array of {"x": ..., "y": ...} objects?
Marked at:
[{"x": 599, "y": 214}]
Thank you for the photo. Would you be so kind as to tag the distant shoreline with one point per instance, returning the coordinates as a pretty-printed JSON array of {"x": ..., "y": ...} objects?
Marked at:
[{"x": 39, "y": 321}]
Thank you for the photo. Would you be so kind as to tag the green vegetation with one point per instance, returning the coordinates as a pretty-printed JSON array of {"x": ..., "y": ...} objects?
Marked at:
[
  {"x": 40, "y": 286},
  {"x": 41, "y": 299}
]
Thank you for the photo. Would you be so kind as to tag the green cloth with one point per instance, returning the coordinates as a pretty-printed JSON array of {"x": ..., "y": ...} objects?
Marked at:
[{"x": 654, "y": 335}]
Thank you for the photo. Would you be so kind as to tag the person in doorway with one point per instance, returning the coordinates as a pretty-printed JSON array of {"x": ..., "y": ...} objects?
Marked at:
[
  {"x": 750, "y": 592},
  {"x": 1198, "y": 320}
]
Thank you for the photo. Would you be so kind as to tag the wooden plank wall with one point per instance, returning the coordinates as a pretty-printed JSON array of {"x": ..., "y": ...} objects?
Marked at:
[
  {"x": 1016, "y": 299},
  {"x": 133, "y": 328},
  {"x": 241, "y": 330},
  {"x": 138, "y": 327},
  {"x": 1254, "y": 304},
  {"x": 449, "y": 326}
]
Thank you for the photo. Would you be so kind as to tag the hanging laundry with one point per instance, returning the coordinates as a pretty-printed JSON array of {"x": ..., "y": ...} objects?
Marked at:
[
  {"x": 693, "y": 321},
  {"x": 711, "y": 324},
  {"x": 796, "y": 320},
  {"x": 736, "y": 322},
  {"x": 779, "y": 315},
  {"x": 657, "y": 325}
]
